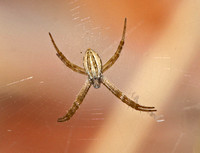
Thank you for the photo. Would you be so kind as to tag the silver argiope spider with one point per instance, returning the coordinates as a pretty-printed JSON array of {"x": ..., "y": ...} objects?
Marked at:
[{"x": 94, "y": 69}]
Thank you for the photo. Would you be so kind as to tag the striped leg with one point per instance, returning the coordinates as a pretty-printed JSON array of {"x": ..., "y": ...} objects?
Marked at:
[
  {"x": 76, "y": 103},
  {"x": 65, "y": 60},
  {"x": 113, "y": 59},
  {"x": 124, "y": 98}
]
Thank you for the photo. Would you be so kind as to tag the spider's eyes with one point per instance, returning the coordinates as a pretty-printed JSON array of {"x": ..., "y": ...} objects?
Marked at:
[{"x": 95, "y": 82}]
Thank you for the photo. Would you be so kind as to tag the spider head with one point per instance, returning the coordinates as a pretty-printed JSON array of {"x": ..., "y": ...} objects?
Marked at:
[{"x": 96, "y": 82}]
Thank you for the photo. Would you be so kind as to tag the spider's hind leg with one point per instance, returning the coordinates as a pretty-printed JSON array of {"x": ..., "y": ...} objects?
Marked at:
[
  {"x": 72, "y": 66},
  {"x": 113, "y": 59}
]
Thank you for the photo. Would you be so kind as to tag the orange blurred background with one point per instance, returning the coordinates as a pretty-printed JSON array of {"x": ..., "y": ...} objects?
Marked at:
[{"x": 159, "y": 66}]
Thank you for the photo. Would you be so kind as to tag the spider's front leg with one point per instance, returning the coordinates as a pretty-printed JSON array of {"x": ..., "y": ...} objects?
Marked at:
[
  {"x": 77, "y": 102},
  {"x": 72, "y": 66},
  {"x": 124, "y": 98},
  {"x": 113, "y": 59}
]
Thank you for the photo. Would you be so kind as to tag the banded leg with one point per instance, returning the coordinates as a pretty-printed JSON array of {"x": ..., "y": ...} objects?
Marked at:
[
  {"x": 65, "y": 60},
  {"x": 113, "y": 59},
  {"x": 76, "y": 103},
  {"x": 125, "y": 99}
]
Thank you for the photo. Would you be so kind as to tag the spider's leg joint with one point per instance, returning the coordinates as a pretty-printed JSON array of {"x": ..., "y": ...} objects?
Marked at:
[
  {"x": 122, "y": 97},
  {"x": 77, "y": 104}
]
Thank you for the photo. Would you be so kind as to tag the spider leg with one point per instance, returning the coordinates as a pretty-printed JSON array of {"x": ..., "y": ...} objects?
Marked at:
[
  {"x": 124, "y": 98},
  {"x": 65, "y": 60},
  {"x": 77, "y": 102},
  {"x": 113, "y": 59}
]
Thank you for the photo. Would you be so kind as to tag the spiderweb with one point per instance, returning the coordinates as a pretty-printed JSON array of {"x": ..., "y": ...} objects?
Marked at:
[{"x": 158, "y": 66}]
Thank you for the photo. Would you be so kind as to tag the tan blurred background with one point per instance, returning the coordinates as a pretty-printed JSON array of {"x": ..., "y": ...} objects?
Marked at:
[{"x": 159, "y": 66}]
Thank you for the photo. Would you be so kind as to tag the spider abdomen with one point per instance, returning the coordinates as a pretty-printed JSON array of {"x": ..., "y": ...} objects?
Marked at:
[{"x": 93, "y": 67}]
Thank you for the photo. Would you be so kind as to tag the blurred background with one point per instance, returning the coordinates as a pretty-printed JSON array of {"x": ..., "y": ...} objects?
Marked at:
[{"x": 159, "y": 66}]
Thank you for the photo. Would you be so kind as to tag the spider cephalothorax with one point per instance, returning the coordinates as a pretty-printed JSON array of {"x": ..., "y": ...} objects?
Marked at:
[{"x": 94, "y": 69}]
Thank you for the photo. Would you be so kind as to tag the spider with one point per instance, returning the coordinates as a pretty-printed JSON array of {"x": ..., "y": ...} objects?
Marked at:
[{"x": 94, "y": 69}]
